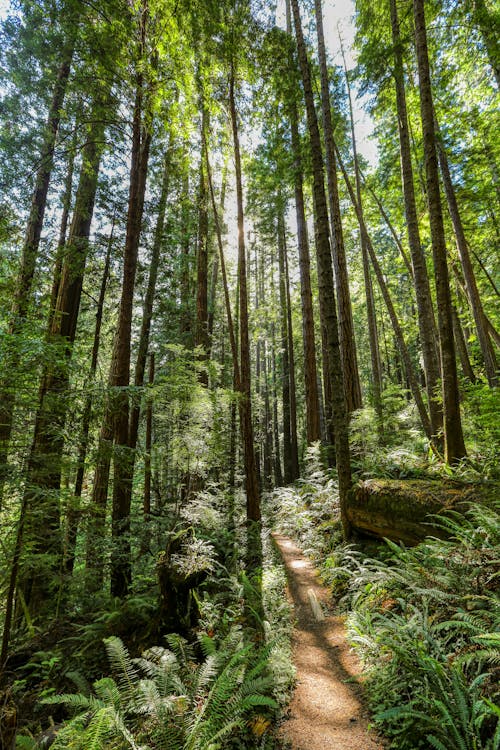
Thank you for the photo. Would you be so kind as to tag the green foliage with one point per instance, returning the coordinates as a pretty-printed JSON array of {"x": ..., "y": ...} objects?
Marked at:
[
  {"x": 425, "y": 621},
  {"x": 167, "y": 701}
]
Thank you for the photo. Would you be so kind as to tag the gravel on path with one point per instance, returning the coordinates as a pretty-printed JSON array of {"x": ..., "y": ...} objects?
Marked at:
[{"x": 327, "y": 710}]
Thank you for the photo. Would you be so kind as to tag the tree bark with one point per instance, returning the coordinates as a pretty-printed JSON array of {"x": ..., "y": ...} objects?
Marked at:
[
  {"x": 425, "y": 310},
  {"x": 370, "y": 303},
  {"x": 285, "y": 366},
  {"x": 345, "y": 321},
  {"x": 325, "y": 282},
  {"x": 291, "y": 366},
  {"x": 22, "y": 294},
  {"x": 245, "y": 404},
  {"x": 121, "y": 571},
  {"x": 308, "y": 336},
  {"x": 73, "y": 515},
  {"x": 44, "y": 463},
  {"x": 490, "y": 363},
  {"x": 398, "y": 333},
  {"x": 454, "y": 446}
]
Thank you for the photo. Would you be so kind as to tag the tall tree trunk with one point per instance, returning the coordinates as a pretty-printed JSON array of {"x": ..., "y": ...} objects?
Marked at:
[
  {"x": 461, "y": 347},
  {"x": 285, "y": 366},
  {"x": 73, "y": 515},
  {"x": 148, "y": 443},
  {"x": 201, "y": 333},
  {"x": 121, "y": 570},
  {"x": 22, "y": 294},
  {"x": 251, "y": 482},
  {"x": 124, "y": 474},
  {"x": 63, "y": 228},
  {"x": 370, "y": 303},
  {"x": 453, "y": 435},
  {"x": 325, "y": 283},
  {"x": 345, "y": 321},
  {"x": 291, "y": 368},
  {"x": 490, "y": 363},
  {"x": 308, "y": 338},
  {"x": 398, "y": 333},
  {"x": 425, "y": 311},
  {"x": 44, "y": 463}
]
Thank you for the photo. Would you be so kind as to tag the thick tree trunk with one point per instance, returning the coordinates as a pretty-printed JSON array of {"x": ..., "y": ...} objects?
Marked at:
[
  {"x": 345, "y": 321},
  {"x": 425, "y": 311},
  {"x": 453, "y": 435},
  {"x": 310, "y": 372},
  {"x": 325, "y": 282},
  {"x": 251, "y": 481}
]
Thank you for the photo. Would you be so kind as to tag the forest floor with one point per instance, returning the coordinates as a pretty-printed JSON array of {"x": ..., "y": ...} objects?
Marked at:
[{"x": 327, "y": 710}]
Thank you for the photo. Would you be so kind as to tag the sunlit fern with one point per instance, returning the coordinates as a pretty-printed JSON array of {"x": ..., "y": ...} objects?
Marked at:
[{"x": 166, "y": 701}]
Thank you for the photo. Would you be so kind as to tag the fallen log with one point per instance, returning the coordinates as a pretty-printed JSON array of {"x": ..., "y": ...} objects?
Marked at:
[{"x": 403, "y": 510}]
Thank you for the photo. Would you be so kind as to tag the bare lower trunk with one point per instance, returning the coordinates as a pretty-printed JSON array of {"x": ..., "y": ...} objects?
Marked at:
[
  {"x": 352, "y": 384},
  {"x": 251, "y": 481},
  {"x": 425, "y": 311},
  {"x": 22, "y": 294},
  {"x": 325, "y": 283},
  {"x": 490, "y": 363},
  {"x": 398, "y": 333},
  {"x": 453, "y": 435}
]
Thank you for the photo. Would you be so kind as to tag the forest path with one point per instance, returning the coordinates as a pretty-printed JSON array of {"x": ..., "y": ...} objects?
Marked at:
[{"x": 327, "y": 710}]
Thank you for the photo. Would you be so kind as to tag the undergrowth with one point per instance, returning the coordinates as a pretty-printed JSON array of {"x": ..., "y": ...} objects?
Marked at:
[
  {"x": 424, "y": 620},
  {"x": 223, "y": 684}
]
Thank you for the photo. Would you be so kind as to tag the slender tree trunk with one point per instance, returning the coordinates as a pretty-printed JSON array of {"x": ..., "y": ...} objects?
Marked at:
[
  {"x": 278, "y": 474},
  {"x": 393, "y": 232},
  {"x": 453, "y": 435},
  {"x": 425, "y": 311},
  {"x": 310, "y": 370},
  {"x": 73, "y": 516},
  {"x": 461, "y": 347},
  {"x": 490, "y": 363},
  {"x": 345, "y": 321},
  {"x": 325, "y": 283},
  {"x": 121, "y": 571},
  {"x": 370, "y": 304},
  {"x": 201, "y": 333},
  {"x": 251, "y": 484},
  {"x": 44, "y": 463},
  {"x": 291, "y": 366},
  {"x": 398, "y": 333},
  {"x": 148, "y": 442},
  {"x": 22, "y": 294},
  {"x": 285, "y": 366}
]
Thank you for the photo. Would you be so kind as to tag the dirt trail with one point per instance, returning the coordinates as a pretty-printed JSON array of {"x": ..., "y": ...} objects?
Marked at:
[{"x": 327, "y": 711}]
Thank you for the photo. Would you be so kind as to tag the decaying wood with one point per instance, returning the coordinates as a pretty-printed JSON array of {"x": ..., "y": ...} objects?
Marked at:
[{"x": 403, "y": 510}]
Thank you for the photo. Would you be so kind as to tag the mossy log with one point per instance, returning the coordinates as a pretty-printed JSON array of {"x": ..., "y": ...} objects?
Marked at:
[{"x": 403, "y": 510}]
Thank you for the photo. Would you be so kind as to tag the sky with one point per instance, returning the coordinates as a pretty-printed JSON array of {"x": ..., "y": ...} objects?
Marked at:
[{"x": 338, "y": 16}]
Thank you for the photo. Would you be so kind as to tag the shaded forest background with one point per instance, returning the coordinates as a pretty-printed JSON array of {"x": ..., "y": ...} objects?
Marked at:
[{"x": 204, "y": 287}]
